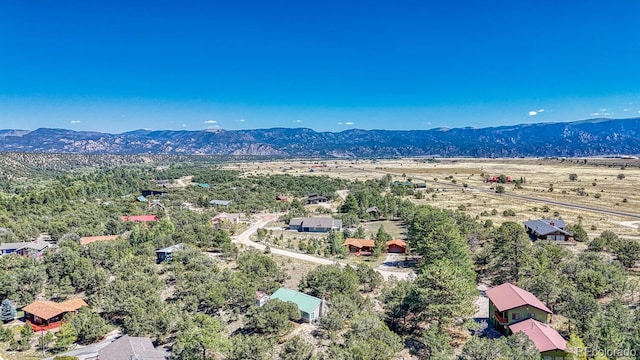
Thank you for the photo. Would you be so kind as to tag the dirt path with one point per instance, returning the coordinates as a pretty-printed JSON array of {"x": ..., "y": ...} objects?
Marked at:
[
  {"x": 184, "y": 181},
  {"x": 245, "y": 239}
]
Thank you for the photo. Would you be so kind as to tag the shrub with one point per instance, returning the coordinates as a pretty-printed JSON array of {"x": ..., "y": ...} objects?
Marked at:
[{"x": 508, "y": 212}]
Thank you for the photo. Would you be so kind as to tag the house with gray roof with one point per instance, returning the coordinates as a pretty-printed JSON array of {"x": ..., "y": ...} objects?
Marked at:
[
  {"x": 164, "y": 255},
  {"x": 218, "y": 202},
  {"x": 132, "y": 348},
  {"x": 547, "y": 229},
  {"x": 315, "y": 224},
  {"x": 34, "y": 249}
]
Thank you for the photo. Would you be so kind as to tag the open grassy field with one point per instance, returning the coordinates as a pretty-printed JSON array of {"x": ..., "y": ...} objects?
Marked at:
[{"x": 602, "y": 183}]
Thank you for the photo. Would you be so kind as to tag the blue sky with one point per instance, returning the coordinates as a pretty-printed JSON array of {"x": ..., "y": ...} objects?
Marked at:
[{"x": 328, "y": 65}]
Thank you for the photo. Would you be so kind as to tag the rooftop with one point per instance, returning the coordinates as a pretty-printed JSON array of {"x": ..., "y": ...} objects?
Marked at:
[
  {"x": 46, "y": 309},
  {"x": 508, "y": 296},
  {"x": 89, "y": 239},
  {"x": 359, "y": 243},
  {"x": 543, "y": 336},
  {"x": 140, "y": 218},
  {"x": 544, "y": 227},
  {"x": 305, "y": 303},
  {"x": 129, "y": 347}
]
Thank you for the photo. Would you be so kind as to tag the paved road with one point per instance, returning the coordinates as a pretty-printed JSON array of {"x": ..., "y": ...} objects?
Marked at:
[
  {"x": 245, "y": 239},
  {"x": 522, "y": 197},
  {"x": 91, "y": 351}
]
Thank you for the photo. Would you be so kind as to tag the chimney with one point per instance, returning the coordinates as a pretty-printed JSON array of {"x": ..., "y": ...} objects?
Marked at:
[{"x": 552, "y": 223}]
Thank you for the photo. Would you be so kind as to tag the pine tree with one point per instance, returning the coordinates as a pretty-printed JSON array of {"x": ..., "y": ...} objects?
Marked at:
[{"x": 8, "y": 311}]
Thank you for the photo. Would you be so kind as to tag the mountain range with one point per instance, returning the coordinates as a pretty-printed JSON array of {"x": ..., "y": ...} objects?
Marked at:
[{"x": 592, "y": 137}]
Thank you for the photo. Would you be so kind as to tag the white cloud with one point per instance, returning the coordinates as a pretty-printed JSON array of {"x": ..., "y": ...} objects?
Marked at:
[
  {"x": 298, "y": 121},
  {"x": 349, "y": 123},
  {"x": 595, "y": 114},
  {"x": 603, "y": 110},
  {"x": 540, "y": 111},
  {"x": 75, "y": 121},
  {"x": 184, "y": 125},
  {"x": 533, "y": 113},
  {"x": 625, "y": 110},
  {"x": 241, "y": 120},
  {"x": 210, "y": 122},
  {"x": 340, "y": 123}
]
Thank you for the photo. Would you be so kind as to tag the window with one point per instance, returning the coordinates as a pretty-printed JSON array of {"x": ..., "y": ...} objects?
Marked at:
[{"x": 515, "y": 316}]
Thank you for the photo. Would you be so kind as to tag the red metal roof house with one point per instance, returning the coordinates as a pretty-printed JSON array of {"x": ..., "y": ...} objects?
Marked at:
[
  {"x": 547, "y": 340},
  {"x": 139, "y": 218},
  {"x": 509, "y": 304}
]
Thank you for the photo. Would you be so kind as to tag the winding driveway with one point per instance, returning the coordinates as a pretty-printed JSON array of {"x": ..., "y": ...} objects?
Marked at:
[{"x": 245, "y": 239}]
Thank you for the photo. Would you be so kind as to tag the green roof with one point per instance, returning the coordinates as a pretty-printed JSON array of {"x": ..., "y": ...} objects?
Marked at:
[
  {"x": 142, "y": 199},
  {"x": 306, "y": 303},
  {"x": 203, "y": 185}
]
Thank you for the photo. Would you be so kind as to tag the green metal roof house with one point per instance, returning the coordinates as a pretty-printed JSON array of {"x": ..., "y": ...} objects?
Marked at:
[{"x": 311, "y": 308}]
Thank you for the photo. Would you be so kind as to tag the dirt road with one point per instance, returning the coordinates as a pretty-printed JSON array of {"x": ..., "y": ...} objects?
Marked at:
[{"x": 245, "y": 239}]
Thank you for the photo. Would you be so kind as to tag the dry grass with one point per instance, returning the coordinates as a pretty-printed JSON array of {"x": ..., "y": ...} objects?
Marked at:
[{"x": 540, "y": 175}]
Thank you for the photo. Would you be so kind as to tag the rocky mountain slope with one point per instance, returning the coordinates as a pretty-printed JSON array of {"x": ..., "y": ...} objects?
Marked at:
[{"x": 583, "y": 138}]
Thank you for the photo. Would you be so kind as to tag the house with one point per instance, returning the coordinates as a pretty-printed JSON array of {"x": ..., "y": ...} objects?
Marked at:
[
  {"x": 220, "y": 202},
  {"x": 225, "y": 219},
  {"x": 549, "y": 343},
  {"x": 397, "y": 246},
  {"x": 509, "y": 304},
  {"x": 34, "y": 249},
  {"x": 203, "y": 185},
  {"x": 163, "y": 182},
  {"x": 421, "y": 185},
  {"x": 164, "y": 255},
  {"x": 319, "y": 224},
  {"x": 141, "y": 199},
  {"x": 129, "y": 347},
  {"x": 153, "y": 193},
  {"x": 547, "y": 230},
  {"x": 261, "y": 298},
  {"x": 496, "y": 179},
  {"x": 314, "y": 198},
  {"x": 43, "y": 315},
  {"x": 407, "y": 184},
  {"x": 311, "y": 308},
  {"x": 282, "y": 198},
  {"x": 360, "y": 246},
  {"x": 372, "y": 210},
  {"x": 139, "y": 218},
  {"x": 89, "y": 239}
]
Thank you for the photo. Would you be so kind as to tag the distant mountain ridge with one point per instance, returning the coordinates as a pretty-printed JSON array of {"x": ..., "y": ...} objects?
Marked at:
[{"x": 581, "y": 138}]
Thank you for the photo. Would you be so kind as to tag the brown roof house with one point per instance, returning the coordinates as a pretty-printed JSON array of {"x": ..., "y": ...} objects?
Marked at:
[
  {"x": 397, "y": 246},
  {"x": 129, "y": 347},
  {"x": 360, "y": 246},
  {"x": 547, "y": 340},
  {"x": 45, "y": 315},
  {"x": 509, "y": 304},
  {"x": 225, "y": 219},
  {"x": 512, "y": 309},
  {"x": 89, "y": 239}
]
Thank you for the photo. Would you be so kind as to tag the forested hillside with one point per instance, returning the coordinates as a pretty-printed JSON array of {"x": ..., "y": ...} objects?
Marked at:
[{"x": 202, "y": 303}]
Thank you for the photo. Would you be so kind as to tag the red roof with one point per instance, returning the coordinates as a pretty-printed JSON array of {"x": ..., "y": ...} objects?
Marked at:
[
  {"x": 397, "y": 242},
  {"x": 544, "y": 336},
  {"x": 359, "y": 243},
  {"x": 89, "y": 239},
  {"x": 508, "y": 296},
  {"x": 141, "y": 218}
]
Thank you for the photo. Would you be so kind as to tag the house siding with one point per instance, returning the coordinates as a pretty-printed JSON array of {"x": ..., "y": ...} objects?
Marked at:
[
  {"x": 553, "y": 355},
  {"x": 521, "y": 313}
]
